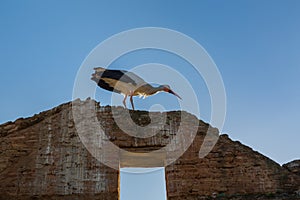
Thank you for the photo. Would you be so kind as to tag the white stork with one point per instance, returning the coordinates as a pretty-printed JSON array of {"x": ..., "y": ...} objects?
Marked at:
[{"x": 126, "y": 83}]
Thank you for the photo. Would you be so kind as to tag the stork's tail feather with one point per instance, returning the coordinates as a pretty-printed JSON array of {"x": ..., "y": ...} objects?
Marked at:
[
  {"x": 97, "y": 74},
  {"x": 99, "y": 69}
]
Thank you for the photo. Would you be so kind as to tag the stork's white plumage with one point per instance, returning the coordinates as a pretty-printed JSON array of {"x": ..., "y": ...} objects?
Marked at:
[{"x": 126, "y": 83}]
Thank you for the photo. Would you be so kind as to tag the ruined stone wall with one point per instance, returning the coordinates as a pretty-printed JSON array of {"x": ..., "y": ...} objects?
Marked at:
[
  {"x": 229, "y": 169},
  {"x": 293, "y": 166},
  {"x": 42, "y": 157}
]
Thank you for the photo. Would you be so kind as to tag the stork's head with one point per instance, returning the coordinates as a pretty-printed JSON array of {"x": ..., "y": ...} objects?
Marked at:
[{"x": 167, "y": 88}]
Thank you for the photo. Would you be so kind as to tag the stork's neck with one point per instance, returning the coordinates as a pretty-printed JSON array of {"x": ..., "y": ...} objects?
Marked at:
[
  {"x": 154, "y": 90},
  {"x": 147, "y": 90}
]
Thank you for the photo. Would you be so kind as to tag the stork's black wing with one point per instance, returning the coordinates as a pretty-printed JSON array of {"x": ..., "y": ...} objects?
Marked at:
[
  {"x": 101, "y": 83},
  {"x": 118, "y": 75},
  {"x": 107, "y": 79}
]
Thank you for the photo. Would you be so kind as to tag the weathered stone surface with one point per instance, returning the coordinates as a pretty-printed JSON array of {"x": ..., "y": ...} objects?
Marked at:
[
  {"x": 42, "y": 157},
  {"x": 46, "y": 160},
  {"x": 293, "y": 166},
  {"x": 230, "y": 169}
]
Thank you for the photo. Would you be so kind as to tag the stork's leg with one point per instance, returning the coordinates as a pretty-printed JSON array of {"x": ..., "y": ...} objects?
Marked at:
[
  {"x": 124, "y": 101},
  {"x": 131, "y": 101}
]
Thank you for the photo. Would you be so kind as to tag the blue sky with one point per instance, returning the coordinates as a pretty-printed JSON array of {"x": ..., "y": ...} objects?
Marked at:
[
  {"x": 255, "y": 45},
  {"x": 148, "y": 185}
]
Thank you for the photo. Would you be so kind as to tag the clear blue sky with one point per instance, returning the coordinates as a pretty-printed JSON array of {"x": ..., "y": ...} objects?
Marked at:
[{"x": 255, "y": 45}]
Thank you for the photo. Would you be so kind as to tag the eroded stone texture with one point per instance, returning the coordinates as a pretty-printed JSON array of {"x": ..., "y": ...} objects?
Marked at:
[
  {"x": 42, "y": 157},
  {"x": 293, "y": 166},
  {"x": 229, "y": 169}
]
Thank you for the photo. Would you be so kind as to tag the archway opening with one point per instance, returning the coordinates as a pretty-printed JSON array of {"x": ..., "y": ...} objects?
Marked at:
[{"x": 143, "y": 183}]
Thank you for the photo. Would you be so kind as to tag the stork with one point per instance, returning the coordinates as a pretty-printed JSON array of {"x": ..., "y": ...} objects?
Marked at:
[{"x": 126, "y": 83}]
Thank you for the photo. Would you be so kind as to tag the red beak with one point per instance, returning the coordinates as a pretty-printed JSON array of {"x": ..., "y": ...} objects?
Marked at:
[{"x": 170, "y": 91}]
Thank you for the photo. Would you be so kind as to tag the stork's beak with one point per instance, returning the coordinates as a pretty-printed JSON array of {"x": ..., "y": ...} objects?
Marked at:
[{"x": 170, "y": 91}]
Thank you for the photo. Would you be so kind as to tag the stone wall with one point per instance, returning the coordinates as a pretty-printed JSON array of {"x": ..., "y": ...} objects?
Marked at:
[
  {"x": 42, "y": 157},
  {"x": 293, "y": 166}
]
